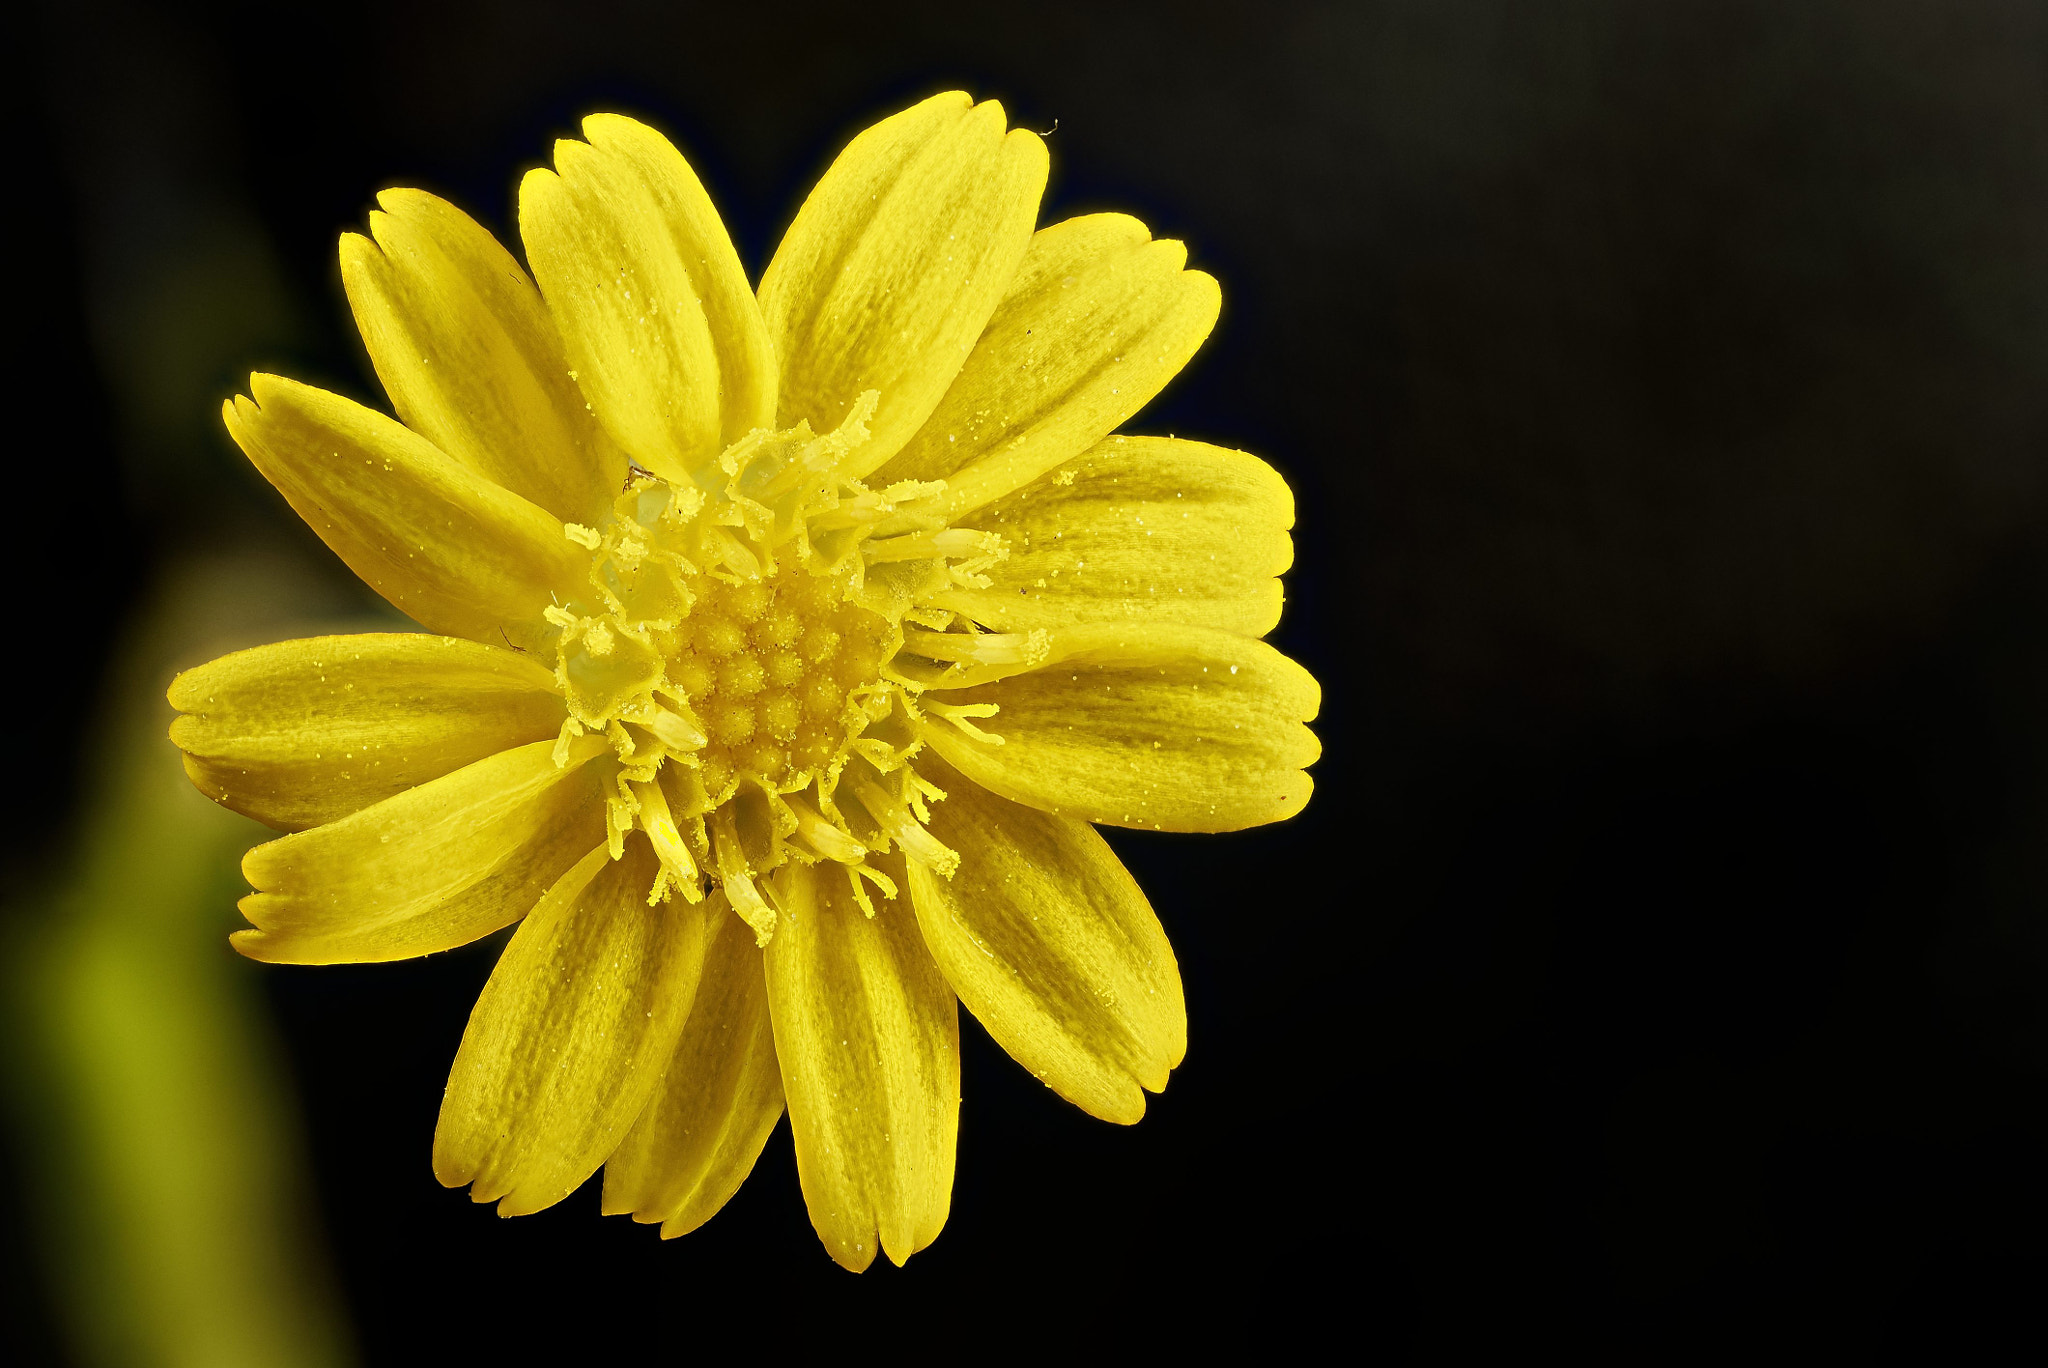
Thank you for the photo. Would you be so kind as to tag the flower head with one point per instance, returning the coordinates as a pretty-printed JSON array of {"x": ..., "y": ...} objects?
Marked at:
[{"x": 785, "y": 647}]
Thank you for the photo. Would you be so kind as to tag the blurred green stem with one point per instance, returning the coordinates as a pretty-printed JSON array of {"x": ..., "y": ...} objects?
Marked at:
[{"x": 163, "y": 1155}]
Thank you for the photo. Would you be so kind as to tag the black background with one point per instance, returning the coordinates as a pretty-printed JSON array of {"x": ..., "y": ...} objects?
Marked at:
[{"x": 1662, "y": 960}]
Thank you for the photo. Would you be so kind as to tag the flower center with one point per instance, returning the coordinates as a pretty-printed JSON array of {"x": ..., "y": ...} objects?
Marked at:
[
  {"x": 742, "y": 647},
  {"x": 771, "y": 666}
]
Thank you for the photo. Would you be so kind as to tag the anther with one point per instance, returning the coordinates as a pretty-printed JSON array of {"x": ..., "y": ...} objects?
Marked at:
[
  {"x": 754, "y": 910},
  {"x": 674, "y": 731},
  {"x": 660, "y": 826},
  {"x": 958, "y": 713},
  {"x": 915, "y": 840},
  {"x": 978, "y": 648},
  {"x": 953, "y": 541},
  {"x": 822, "y": 836}
]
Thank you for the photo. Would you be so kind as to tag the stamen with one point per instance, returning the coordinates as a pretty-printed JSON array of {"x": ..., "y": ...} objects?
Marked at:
[
  {"x": 918, "y": 843},
  {"x": 619, "y": 811},
  {"x": 754, "y": 910},
  {"x": 868, "y": 507},
  {"x": 922, "y": 792},
  {"x": 979, "y": 648},
  {"x": 958, "y": 713},
  {"x": 823, "y": 837},
  {"x": 571, "y": 729},
  {"x": 860, "y": 894},
  {"x": 660, "y": 826},
  {"x": 735, "y": 553},
  {"x": 953, "y": 541},
  {"x": 676, "y": 732},
  {"x": 740, "y": 648}
]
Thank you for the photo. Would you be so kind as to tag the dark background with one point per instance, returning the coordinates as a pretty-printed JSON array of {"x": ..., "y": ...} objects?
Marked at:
[{"x": 1665, "y": 391}]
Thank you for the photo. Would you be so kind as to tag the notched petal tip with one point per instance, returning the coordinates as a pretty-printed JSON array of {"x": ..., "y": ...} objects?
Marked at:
[
  {"x": 454, "y": 550},
  {"x": 1204, "y": 291},
  {"x": 539, "y": 180},
  {"x": 853, "y": 1260},
  {"x": 401, "y": 200},
  {"x": 453, "y": 1171},
  {"x": 961, "y": 102},
  {"x": 606, "y": 125},
  {"x": 360, "y": 254},
  {"x": 249, "y": 943}
]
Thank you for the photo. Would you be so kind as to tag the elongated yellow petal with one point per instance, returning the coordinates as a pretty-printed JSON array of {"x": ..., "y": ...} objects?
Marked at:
[
  {"x": 1050, "y": 944},
  {"x": 1154, "y": 725},
  {"x": 895, "y": 263},
  {"x": 1139, "y": 529},
  {"x": 470, "y": 357},
  {"x": 568, "y": 1041},
  {"x": 431, "y": 869},
  {"x": 304, "y": 732},
  {"x": 698, "y": 1137},
  {"x": 661, "y": 328},
  {"x": 452, "y": 549},
  {"x": 1098, "y": 318},
  {"x": 868, "y": 1037}
]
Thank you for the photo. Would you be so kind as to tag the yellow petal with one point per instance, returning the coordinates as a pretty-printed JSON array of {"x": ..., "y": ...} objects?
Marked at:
[
  {"x": 569, "y": 1039},
  {"x": 662, "y": 332},
  {"x": 304, "y": 732},
  {"x": 431, "y": 869},
  {"x": 1154, "y": 725},
  {"x": 1050, "y": 944},
  {"x": 470, "y": 357},
  {"x": 455, "y": 551},
  {"x": 868, "y": 1038},
  {"x": 895, "y": 263},
  {"x": 1098, "y": 318},
  {"x": 699, "y": 1136},
  {"x": 1139, "y": 529}
]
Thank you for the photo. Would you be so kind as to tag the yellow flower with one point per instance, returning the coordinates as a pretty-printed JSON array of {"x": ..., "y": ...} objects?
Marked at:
[{"x": 835, "y": 607}]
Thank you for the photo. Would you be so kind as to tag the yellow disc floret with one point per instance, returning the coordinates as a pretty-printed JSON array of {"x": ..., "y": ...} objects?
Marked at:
[{"x": 742, "y": 647}]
